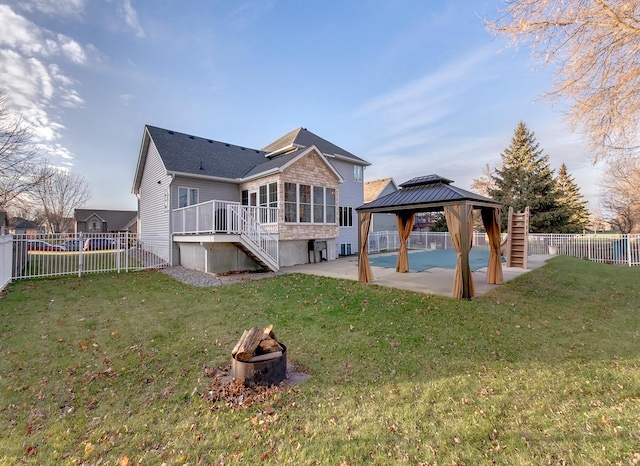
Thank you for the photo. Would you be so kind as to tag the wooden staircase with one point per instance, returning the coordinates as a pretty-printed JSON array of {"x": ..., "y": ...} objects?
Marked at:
[
  {"x": 516, "y": 246},
  {"x": 257, "y": 259}
]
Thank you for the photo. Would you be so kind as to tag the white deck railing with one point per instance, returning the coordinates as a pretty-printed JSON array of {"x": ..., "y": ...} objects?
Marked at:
[
  {"x": 213, "y": 217},
  {"x": 622, "y": 249},
  {"x": 256, "y": 225}
]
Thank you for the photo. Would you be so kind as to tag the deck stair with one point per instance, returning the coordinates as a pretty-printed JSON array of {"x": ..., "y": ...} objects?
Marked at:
[
  {"x": 516, "y": 247},
  {"x": 259, "y": 259},
  {"x": 255, "y": 241}
]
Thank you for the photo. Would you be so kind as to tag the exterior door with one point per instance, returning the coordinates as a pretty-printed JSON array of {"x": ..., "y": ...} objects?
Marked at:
[{"x": 253, "y": 203}]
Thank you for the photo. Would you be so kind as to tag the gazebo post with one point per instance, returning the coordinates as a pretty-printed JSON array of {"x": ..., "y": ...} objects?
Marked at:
[
  {"x": 430, "y": 193},
  {"x": 464, "y": 251}
]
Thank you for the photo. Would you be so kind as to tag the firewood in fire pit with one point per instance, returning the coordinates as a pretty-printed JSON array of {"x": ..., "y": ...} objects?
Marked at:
[{"x": 255, "y": 341}]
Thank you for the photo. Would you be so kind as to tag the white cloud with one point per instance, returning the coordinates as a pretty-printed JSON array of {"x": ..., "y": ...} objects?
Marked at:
[
  {"x": 71, "y": 99},
  {"x": 409, "y": 120},
  {"x": 72, "y": 50},
  {"x": 427, "y": 88},
  {"x": 130, "y": 16},
  {"x": 62, "y": 8},
  {"x": 32, "y": 74},
  {"x": 18, "y": 33}
]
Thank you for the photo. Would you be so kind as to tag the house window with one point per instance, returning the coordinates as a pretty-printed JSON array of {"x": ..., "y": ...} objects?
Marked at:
[
  {"x": 306, "y": 204},
  {"x": 263, "y": 195},
  {"x": 357, "y": 173},
  {"x": 346, "y": 216},
  {"x": 273, "y": 195},
  {"x": 318, "y": 204},
  {"x": 290, "y": 202},
  {"x": 245, "y": 197},
  {"x": 187, "y": 197},
  {"x": 268, "y": 197},
  {"x": 345, "y": 249},
  {"x": 330, "y": 202},
  {"x": 94, "y": 225}
]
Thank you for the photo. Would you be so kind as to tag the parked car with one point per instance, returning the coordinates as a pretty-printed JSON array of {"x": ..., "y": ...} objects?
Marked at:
[
  {"x": 98, "y": 244},
  {"x": 39, "y": 245},
  {"x": 73, "y": 245}
]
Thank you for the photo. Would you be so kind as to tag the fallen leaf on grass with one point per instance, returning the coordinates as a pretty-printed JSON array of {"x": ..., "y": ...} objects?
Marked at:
[{"x": 88, "y": 448}]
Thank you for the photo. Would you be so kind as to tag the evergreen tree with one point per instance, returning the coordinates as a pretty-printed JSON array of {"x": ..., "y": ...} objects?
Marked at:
[
  {"x": 570, "y": 199},
  {"x": 525, "y": 179},
  {"x": 438, "y": 222}
]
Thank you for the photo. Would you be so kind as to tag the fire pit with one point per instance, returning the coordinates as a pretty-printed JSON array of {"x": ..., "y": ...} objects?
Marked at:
[{"x": 258, "y": 358}]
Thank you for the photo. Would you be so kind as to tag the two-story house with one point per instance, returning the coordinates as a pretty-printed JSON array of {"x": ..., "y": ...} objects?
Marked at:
[{"x": 227, "y": 208}]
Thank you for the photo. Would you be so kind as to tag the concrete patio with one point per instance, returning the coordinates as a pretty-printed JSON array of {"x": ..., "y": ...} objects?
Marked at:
[{"x": 438, "y": 281}]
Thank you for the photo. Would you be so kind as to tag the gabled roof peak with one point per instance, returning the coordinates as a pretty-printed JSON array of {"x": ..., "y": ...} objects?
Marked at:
[{"x": 302, "y": 138}]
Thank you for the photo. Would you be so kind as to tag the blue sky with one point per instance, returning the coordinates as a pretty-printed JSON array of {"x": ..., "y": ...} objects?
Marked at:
[{"x": 415, "y": 87}]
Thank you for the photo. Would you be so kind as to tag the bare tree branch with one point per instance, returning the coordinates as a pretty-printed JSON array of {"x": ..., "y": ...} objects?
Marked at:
[
  {"x": 58, "y": 196},
  {"x": 21, "y": 168},
  {"x": 594, "y": 47},
  {"x": 621, "y": 181}
]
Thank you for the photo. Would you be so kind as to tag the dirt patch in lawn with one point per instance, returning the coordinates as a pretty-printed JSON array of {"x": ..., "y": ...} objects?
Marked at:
[{"x": 223, "y": 390}]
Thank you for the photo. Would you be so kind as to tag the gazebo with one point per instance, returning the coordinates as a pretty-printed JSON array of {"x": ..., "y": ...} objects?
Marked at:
[{"x": 433, "y": 193}]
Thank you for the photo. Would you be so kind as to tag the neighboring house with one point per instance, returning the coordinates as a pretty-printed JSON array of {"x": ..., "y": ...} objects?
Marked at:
[
  {"x": 28, "y": 227},
  {"x": 105, "y": 221},
  {"x": 372, "y": 191},
  {"x": 228, "y": 208}
]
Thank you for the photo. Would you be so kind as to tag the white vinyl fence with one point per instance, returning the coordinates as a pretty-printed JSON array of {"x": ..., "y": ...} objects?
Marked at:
[
  {"x": 47, "y": 255},
  {"x": 6, "y": 255},
  {"x": 621, "y": 249},
  {"x": 387, "y": 241}
]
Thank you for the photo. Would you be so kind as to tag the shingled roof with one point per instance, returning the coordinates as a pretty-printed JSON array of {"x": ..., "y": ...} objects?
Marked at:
[
  {"x": 192, "y": 155},
  {"x": 372, "y": 189},
  {"x": 184, "y": 153},
  {"x": 302, "y": 138},
  {"x": 425, "y": 193},
  {"x": 116, "y": 219}
]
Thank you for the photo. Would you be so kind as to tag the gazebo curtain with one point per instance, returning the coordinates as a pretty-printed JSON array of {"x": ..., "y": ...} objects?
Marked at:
[
  {"x": 364, "y": 268},
  {"x": 460, "y": 220},
  {"x": 491, "y": 221},
  {"x": 405, "y": 225}
]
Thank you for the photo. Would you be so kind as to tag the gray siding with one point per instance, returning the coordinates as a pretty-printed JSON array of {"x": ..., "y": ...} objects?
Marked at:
[
  {"x": 385, "y": 222},
  {"x": 351, "y": 194},
  {"x": 154, "y": 218},
  {"x": 208, "y": 190}
]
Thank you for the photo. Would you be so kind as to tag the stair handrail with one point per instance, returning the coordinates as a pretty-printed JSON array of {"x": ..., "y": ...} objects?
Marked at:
[{"x": 252, "y": 231}]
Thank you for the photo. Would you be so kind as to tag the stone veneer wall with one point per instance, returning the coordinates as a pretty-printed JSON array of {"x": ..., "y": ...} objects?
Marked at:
[{"x": 310, "y": 170}]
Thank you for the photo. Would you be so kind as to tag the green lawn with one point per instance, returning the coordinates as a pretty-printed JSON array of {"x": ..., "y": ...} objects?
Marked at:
[{"x": 115, "y": 369}]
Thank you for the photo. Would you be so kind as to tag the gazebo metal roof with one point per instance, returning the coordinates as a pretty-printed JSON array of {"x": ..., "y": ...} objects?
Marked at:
[
  {"x": 427, "y": 194},
  {"x": 424, "y": 194}
]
